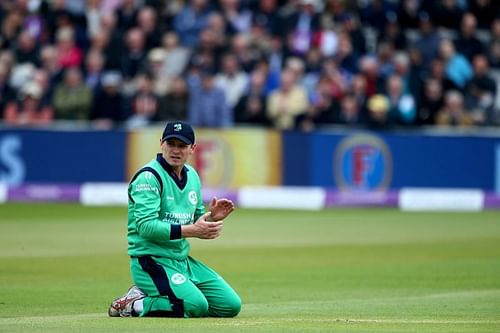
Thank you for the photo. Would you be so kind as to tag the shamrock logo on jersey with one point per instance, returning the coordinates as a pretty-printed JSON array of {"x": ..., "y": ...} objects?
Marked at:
[{"x": 193, "y": 198}]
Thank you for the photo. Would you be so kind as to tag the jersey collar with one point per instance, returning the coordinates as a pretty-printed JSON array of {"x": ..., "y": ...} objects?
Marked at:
[{"x": 181, "y": 183}]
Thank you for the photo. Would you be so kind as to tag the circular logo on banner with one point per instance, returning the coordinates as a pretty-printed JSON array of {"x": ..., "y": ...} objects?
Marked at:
[
  {"x": 193, "y": 198},
  {"x": 362, "y": 162},
  {"x": 178, "y": 278}
]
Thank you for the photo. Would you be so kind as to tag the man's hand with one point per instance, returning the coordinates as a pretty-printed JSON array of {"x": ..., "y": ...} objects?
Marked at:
[
  {"x": 220, "y": 209},
  {"x": 202, "y": 228}
]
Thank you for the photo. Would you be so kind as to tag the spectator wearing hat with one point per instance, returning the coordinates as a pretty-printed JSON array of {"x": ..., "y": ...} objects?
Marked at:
[
  {"x": 28, "y": 109},
  {"x": 377, "y": 116},
  {"x": 72, "y": 98}
]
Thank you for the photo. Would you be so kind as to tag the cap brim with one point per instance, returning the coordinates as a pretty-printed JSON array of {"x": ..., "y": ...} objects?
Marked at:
[{"x": 180, "y": 137}]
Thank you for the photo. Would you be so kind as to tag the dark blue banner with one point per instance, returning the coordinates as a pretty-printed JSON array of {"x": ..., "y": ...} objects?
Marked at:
[
  {"x": 369, "y": 161},
  {"x": 37, "y": 156}
]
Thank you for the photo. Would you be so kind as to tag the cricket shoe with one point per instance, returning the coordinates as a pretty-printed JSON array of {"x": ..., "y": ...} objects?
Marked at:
[{"x": 124, "y": 306}]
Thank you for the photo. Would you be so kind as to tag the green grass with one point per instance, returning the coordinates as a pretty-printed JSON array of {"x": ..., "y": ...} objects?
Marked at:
[{"x": 341, "y": 270}]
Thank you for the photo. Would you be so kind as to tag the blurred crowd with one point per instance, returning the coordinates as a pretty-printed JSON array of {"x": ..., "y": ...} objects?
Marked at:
[{"x": 289, "y": 65}]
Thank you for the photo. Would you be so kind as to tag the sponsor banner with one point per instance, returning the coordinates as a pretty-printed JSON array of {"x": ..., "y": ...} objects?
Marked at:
[
  {"x": 223, "y": 158},
  {"x": 104, "y": 194},
  {"x": 75, "y": 157},
  {"x": 361, "y": 199},
  {"x": 497, "y": 170},
  {"x": 44, "y": 193},
  {"x": 3, "y": 193},
  {"x": 360, "y": 161},
  {"x": 421, "y": 199},
  {"x": 308, "y": 198}
]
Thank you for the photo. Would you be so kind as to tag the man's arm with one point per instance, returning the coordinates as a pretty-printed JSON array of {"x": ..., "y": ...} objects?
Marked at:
[{"x": 145, "y": 192}]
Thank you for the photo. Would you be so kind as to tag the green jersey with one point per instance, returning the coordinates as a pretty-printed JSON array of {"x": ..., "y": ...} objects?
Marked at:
[{"x": 156, "y": 210}]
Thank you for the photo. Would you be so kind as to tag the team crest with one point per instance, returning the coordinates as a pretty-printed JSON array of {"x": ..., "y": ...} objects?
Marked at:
[
  {"x": 177, "y": 127},
  {"x": 193, "y": 198},
  {"x": 178, "y": 278}
]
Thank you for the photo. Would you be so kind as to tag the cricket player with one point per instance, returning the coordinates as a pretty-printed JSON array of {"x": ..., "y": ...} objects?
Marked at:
[{"x": 165, "y": 208}]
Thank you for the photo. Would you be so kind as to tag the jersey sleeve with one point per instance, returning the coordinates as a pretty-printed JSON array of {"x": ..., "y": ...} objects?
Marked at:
[
  {"x": 200, "y": 207},
  {"x": 145, "y": 193}
]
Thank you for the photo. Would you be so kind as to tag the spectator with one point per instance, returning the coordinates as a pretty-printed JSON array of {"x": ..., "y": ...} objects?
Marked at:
[
  {"x": 430, "y": 103},
  {"x": 208, "y": 104},
  {"x": 480, "y": 93},
  {"x": 50, "y": 63},
  {"x": 457, "y": 67},
  {"x": 377, "y": 116},
  {"x": 428, "y": 41},
  {"x": 453, "y": 112},
  {"x": 190, "y": 21},
  {"x": 301, "y": 27},
  {"x": 408, "y": 14},
  {"x": 486, "y": 11},
  {"x": 132, "y": 60},
  {"x": 237, "y": 17},
  {"x": 350, "y": 112},
  {"x": 287, "y": 102},
  {"x": 28, "y": 109},
  {"x": 266, "y": 15},
  {"x": 438, "y": 72},
  {"x": 369, "y": 67},
  {"x": 69, "y": 55},
  {"x": 251, "y": 107},
  {"x": 144, "y": 102},
  {"x": 402, "y": 108},
  {"x": 72, "y": 98},
  {"x": 147, "y": 22},
  {"x": 6, "y": 92},
  {"x": 174, "y": 105},
  {"x": 108, "y": 104},
  {"x": 467, "y": 43},
  {"x": 393, "y": 33},
  {"x": 448, "y": 14},
  {"x": 26, "y": 50},
  {"x": 94, "y": 67},
  {"x": 494, "y": 45},
  {"x": 127, "y": 15},
  {"x": 322, "y": 110},
  {"x": 176, "y": 57},
  {"x": 232, "y": 80}
]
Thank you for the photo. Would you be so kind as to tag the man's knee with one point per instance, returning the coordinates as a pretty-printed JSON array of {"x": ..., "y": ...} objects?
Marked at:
[
  {"x": 233, "y": 306},
  {"x": 196, "y": 307},
  {"x": 229, "y": 308}
]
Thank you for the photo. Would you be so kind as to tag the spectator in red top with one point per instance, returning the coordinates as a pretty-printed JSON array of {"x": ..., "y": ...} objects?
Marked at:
[{"x": 69, "y": 54}]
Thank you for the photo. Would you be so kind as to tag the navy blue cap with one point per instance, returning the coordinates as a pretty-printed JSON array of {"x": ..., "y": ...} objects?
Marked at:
[{"x": 178, "y": 130}]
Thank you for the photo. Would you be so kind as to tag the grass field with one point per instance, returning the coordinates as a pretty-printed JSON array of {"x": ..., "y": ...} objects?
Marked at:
[{"x": 331, "y": 271}]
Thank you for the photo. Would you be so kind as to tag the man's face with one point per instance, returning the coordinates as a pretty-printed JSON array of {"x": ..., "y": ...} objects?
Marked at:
[{"x": 176, "y": 152}]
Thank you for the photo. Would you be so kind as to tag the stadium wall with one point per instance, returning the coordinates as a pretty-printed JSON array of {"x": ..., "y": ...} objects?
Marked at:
[{"x": 325, "y": 169}]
